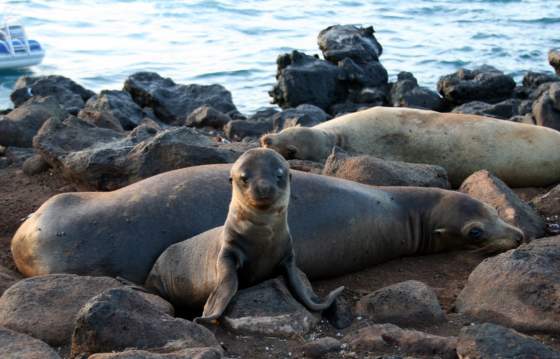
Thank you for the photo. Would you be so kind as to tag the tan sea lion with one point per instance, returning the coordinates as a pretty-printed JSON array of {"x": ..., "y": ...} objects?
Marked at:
[
  {"x": 253, "y": 245},
  {"x": 521, "y": 155},
  {"x": 338, "y": 226}
]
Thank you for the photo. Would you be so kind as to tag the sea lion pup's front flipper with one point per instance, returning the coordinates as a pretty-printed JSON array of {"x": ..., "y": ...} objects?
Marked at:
[
  {"x": 228, "y": 283},
  {"x": 300, "y": 290}
]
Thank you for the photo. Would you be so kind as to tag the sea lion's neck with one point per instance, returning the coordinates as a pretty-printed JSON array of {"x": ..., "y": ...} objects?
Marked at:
[
  {"x": 244, "y": 219},
  {"x": 332, "y": 139}
]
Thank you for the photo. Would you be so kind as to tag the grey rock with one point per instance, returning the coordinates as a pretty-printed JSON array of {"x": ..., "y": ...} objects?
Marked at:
[
  {"x": 120, "y": 318},
  {"x": 383, "y": 337},
  {"x": 371, "y": 74},
  {"x": 339, "y": 314},
  {"x": 341, "y": 108},
  {"x": 372, "y": 96},
  {"x": 268, "y": 309},
  {"x": 410, "y": 303},
  {"x": 533, "y": 80},
  {"x": 7, "y": 278},
  {"x": 319, "y": 347},
  {"x": 546, "y": 109},
  {"x": 306, "y": 79},
  {"x": 112, "y": 109},
  {"x": 306, "y": 166},
  {"x": 35, "y": 165},
  {"x": 348, "y": 41},
  {"x": 19, "y": 126},
  {"x": 167, "y": 352},
  {"x": 517, "y": 289},
  {"x": 172, "y": 102},
  {"x": 207, "y": 116},
  {"x": 407, "y": 93},
  {"x": 484, "y": 83},
  {"x": 487, "y": 341},
  {"x": 504, "y": 110},
  {"x": 67, "y": 93},
  {"x": 548, "y": 204},
  {"x": 304, "y": 115},
  {"x": 263, "y": 114},
  {"x": 239, "y": 129},
  {"x": 488, "y": 188},
  {"x": 554, "y": 60},
  {"x": 45, "y": 307},
  {"x": 375, "y": 171},
  {"x": 5, "y": 162},
  {"x": 17, "y": 345}
]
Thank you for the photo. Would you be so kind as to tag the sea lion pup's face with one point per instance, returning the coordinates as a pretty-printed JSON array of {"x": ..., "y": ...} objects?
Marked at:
[
  {"x": 460, "y": 221},
  {"x": 300, "y": 143},
  {"x": 261, "y": 179}
]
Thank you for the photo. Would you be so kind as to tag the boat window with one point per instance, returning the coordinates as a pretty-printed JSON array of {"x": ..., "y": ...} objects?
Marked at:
[{"x": 3, "y": 36}]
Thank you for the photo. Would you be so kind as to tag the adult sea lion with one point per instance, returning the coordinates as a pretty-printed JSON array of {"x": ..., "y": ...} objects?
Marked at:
[
  {"x": 521, "y": 155},
  {"x": 338, "y": 226},
  {"x": 253, "y": 245}
]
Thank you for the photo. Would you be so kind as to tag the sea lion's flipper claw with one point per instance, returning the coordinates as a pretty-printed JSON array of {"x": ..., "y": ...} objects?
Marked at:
[
  {"x": 300, "y": 290},
  {"x": 225, "y": 290}
]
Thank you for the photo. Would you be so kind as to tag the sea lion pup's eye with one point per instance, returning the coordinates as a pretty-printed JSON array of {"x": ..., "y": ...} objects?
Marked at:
[
  {"x": 280, "y": 173},
  {"x": 476, "y": 233},
  {"x": 243, "y": 177}
]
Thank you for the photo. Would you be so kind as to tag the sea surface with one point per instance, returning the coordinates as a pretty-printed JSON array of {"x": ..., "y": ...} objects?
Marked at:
[{"x": 236, "y": 43}]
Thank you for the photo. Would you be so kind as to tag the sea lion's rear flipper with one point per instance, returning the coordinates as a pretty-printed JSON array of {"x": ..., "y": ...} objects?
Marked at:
[
  {"x": 301, "y": 291},
  {"x": 227, "y": 286}
]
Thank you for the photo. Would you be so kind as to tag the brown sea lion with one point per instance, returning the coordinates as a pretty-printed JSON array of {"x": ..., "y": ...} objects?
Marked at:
[
  {"x": 253, "y": 245},
  {"x": 521, "y": 155},
  {"x": 338, "y": 226}
]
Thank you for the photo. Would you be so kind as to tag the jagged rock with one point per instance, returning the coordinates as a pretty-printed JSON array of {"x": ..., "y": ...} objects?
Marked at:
[
  {"x": 410, "y": 303},
  {"x": 35, "y": 165},
  {"x": 348, "y": 41},
  {"x": 207, "y": 116},
  {"x": 407, "y": 93},
  {"x": 381, "y": 337},
  {"x": 112, "y": 109},
  {"x": 238, "y": 129},
  {"x": 306, "y": 166},
  {"x": 554, "y": 60},
  {"x": 268, "y": 309},
  {"x": 372, "y": 96},
  {"x": 167, "y": 352},
  {"x": 172, "y": 102},
  {"x": 263, "y": 114},
  {"x": 488, "y": 188},
  {"x": 319, "y": 347},
  {"x": 305, "y": 79},
  {"x": 120, "y": 318},
  {"x": 484, "y": 83},
  {"x": 546, "y": 109},
  {"x": 100, "y": 158},
  {"x": 378, "y": 172},
  {"x": 67, "y": 93},
  {"x": 371, "y": 74},
  {"x": 533, "y": 80},
  {"x": 341, "y": 108},
  {"x": 17, "y": 345},
  {"x": 7, "y": 278},
  {"x": 548, "y": 204},
  {"x": 5, "y": 162},
  {"x": 504, "y": 110},
  {"x": 18, "y": 127},
  {"x": 304, "y": 115},
  {"x": 45, "y": 307},
  {"x": 339, "y": 314},
  {"x": 18, "y": 155},
  {"x": 517, "y": 289},
  {"x": 486, "y": 341}
]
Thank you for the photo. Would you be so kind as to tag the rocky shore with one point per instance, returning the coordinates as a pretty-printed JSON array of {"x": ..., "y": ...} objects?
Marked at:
[{"x": 62, "y": 137}]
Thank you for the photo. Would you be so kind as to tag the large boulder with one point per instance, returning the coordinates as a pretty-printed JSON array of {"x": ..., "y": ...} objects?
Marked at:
[
  {"x": 305, "y": 79},
  {"x": 18, "y": 127},
  {"x": 304, "y": 115},
  {"x": 554, "y": 60},
  {"x": 170, "y": 351},
  {"x": 383, "y": 337},
  {"x": 546, "y": 109},
  {"x": 112, "y": 109},
  {"x": 348, "y": 41},
  {"x": 207, "y": 116},
  {"x": 548, "y": 204},
  {"x": 504, "y": 110},
  {"x": 481, "y": 341},
  {"x": 7, "y": 278},
  {"x": 358, "y": 75},
  {"x": 268, "y": 309},
  {"x": 319, "y": 347},
  {"x": 410, "y": 303},
  {"x": 17, "y": 345},
  {"x": 121, "y": 318},
  {"x": 532, "y": 80},
  {"x": 378, "y": 172},
  {"x": 173, "y": 103},
  {"x": 488, "y": 188},
  {"x": 45, "y": 307},
  {"x": 101, "y": 158},
  {"x": 518, "y": 289},
  {"x": 484, "y": 83},
  {"x": 70, "y": 95},
  {"x": 407, "y": 93},
  {"x": 237, "y": 130}
]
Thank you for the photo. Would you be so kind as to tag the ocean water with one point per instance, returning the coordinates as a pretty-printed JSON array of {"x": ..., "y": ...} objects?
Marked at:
[{"x": 235, "y": 43}]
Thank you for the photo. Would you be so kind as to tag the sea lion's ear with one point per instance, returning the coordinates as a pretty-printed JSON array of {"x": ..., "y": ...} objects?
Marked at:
[{"x": 266, "y": 140}]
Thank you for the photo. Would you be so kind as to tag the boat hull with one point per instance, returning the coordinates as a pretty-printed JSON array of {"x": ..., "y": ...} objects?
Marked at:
[{"x": 19, "y": 61}]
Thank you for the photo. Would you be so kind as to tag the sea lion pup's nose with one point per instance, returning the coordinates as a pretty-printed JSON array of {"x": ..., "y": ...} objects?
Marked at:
[{"x": 264, "y": 189}]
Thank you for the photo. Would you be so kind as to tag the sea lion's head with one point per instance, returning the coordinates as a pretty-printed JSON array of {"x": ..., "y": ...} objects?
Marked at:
[
  {"x": 300, "y": 143},
  {"x": 460, "y": 221},
  {"x": 261, "y": 180}
]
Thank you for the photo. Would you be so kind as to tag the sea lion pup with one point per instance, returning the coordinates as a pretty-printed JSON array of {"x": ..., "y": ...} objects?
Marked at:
[
  {"x": 521, "y": 155},
  {"x": 253, "y": 245}
]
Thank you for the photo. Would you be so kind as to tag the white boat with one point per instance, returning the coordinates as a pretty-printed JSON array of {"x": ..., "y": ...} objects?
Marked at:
[{"x": 16, "y": 51}]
